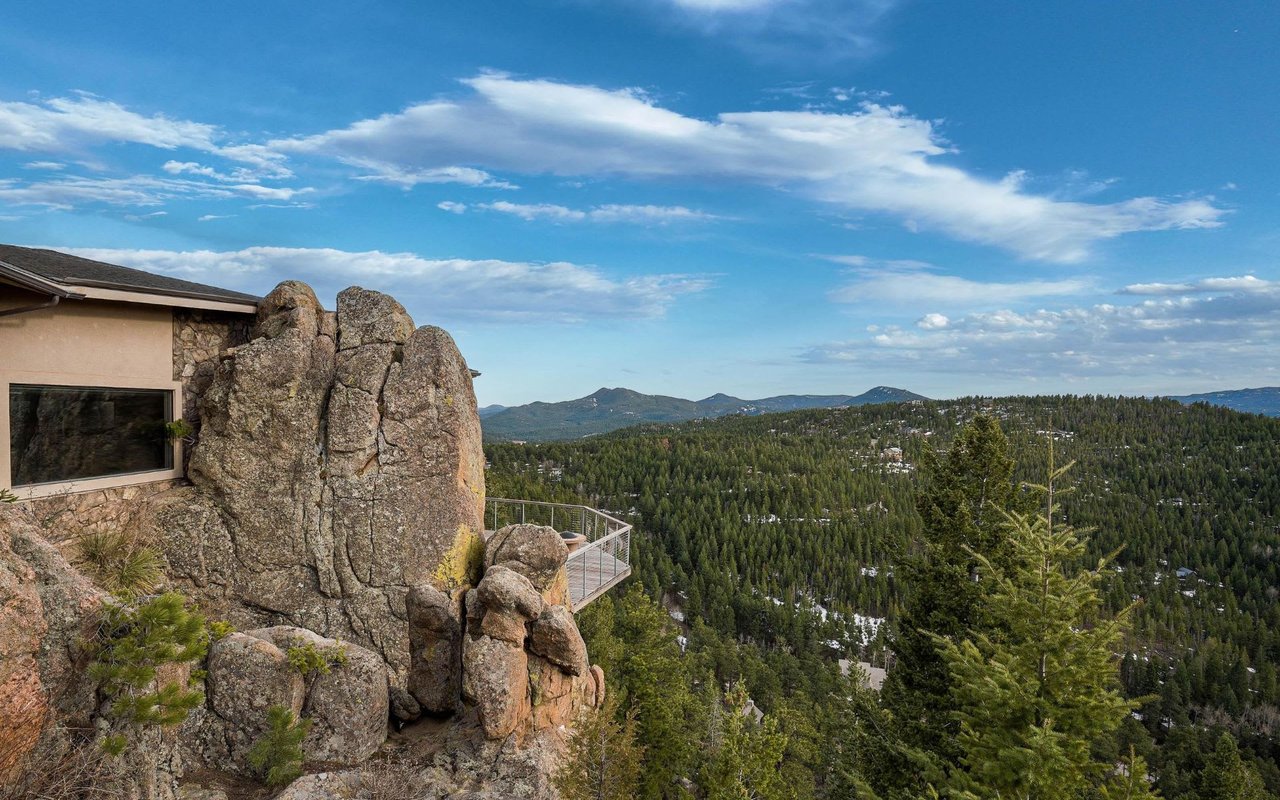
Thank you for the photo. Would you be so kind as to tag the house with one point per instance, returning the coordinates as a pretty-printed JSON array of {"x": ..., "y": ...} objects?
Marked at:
[
  {"x": 95, "y": 360},
  {"x": 869, "y": 677}
]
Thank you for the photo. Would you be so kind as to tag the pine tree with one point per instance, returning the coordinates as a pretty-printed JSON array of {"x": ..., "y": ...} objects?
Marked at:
[
  {"x": 1130, "y": 781},
  {"x": 277, "y": 755},
  {"x": 962, "y": 512},
  {"x": 744, "y": 763},
  {"x": 1227, "y": 777},
  {"x": 602, "y": 761},
  {"x": 1032, "y": 700}
]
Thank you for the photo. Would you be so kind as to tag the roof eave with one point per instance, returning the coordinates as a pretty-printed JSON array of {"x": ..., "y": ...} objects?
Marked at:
[{"x": 36, "y": 283}]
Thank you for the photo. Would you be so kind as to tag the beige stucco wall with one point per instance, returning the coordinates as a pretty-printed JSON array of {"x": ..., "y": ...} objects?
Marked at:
[{"x": 84, "y": 343}]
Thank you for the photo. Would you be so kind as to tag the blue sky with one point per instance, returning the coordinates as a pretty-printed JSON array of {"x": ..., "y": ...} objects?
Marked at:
[{"x": 690, "y": 196}]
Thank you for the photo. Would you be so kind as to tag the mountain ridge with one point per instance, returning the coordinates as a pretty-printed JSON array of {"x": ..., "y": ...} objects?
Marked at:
[
  {"x": 1261, "y": 400},
  {"x": 609, "y": 409}
]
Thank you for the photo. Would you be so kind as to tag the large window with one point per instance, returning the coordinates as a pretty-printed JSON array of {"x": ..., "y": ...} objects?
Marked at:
[{"x": 65, "y": 433}]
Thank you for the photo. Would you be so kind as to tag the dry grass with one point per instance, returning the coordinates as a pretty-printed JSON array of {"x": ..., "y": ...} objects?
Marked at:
[
  {"x": 81, "y": 772},
  {"x": 394, "y": 778}
]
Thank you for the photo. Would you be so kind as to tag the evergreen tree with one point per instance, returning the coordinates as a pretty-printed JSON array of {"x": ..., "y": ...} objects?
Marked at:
[
  {"x": 602, "y": 761},
  {"x": 1227, "y": 777},
  {"x": 1032, "y": 700},
  {"x": 961, "y": 509},
  {"x": 1130, "y": 782},
  {"x": 744, "y": 762}
]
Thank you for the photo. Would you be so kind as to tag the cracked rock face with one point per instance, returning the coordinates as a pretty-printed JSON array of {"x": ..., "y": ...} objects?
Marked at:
[{"x": 339, "y": 465}]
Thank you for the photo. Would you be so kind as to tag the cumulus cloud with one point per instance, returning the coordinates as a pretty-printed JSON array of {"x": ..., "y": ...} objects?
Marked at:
[
  {"x": 1219, "y": 335},
  {"x": 452, "y": 207},
  {"x": 456, "y": 288},
  {"x": 877, "y": 159},
  {"x": 641, "y": 214}
]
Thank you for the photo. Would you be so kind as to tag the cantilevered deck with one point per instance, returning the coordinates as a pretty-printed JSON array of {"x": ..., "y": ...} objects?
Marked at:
[{"x": 595, "y": 565}]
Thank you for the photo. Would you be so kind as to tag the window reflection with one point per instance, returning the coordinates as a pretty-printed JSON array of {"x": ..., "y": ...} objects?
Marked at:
[{"x": 62, "y": 433}]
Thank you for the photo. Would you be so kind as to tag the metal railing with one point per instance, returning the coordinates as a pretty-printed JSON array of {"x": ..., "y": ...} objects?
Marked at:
[{"x": 595, "y": 566}]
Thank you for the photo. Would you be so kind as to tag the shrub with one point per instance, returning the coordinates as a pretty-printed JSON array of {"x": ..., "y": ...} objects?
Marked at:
[
  {"x": 7, "y": 496},
  {"x": 220, "y": 629},
  {"x": 179, "y": 429},
  {"x": 277, "y": 756},
  {"x": 134, "y": 639},
  {"x": 311, "y": 661}
]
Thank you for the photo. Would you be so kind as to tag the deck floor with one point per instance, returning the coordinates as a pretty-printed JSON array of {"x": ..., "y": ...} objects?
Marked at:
[{"x": 590, "y": 575}]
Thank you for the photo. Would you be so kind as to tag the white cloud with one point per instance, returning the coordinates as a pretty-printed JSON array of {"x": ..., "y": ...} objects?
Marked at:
[
  {"x": 489, "y": 289},
  {"x": 933, "y": 322},
  {"x": 1228, "y": 336},
  {"x": 452, "y": 207},
  {"x": 49, "y": 166},
  {"x": 383, "y": 172},
  {"x": 877, "y": 159},
  {"x": 641, "y": 214},
  {"x": 918, "y": 287},
  {"x": 65, "y": 123},
  {"x": 212, "y": 217},
  {"x": 65, "y": 193},
  {"x": 1241, "y": 283}
]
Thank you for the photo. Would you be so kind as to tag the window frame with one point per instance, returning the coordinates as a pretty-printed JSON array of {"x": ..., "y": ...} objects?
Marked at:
[{"x": 38, "y": 490}]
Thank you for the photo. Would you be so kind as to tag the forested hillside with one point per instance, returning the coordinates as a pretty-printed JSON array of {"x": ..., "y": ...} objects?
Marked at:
[{"x": 780, "y": 539}]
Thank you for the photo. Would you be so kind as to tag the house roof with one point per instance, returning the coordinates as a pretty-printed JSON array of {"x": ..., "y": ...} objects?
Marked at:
[{"x": 69, "y": 276}]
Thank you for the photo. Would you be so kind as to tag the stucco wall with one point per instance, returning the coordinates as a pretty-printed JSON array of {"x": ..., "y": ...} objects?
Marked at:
[{"x": 84, "y": 343}]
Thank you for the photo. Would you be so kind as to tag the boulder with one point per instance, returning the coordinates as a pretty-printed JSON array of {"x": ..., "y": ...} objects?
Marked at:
[
  {"x": 495, "y": 679},
  {"x": 597, "y": 681},
  {"x": 502, "y": 588},
  {"x": 535, "y": 551},
  {"x": 435, "y": 639},
  {"x": 505, "y": 625},
  {"x": 47, "y": 612},
  {"x": 555, "y": 637},
  {"x": 348, "y": 706},
  {"x": 403, "y": 705},
  {"x": 247, "y": 676}
]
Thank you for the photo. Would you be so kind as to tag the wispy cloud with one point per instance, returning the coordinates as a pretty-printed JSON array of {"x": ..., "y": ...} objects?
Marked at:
[
  {"x": 639, "y": 214},
  {"x": 915, "y": 283},
  {"x": 878, "y": 159},
  {"x": 488, "y": 289},
  {"x": 61, "y": 124},
  {"x": 139, "y": 190},
  {"x": 784, "y": 29},
  {"x": 1228, "y": 334},
  {"x": 1241, "y": 283}
]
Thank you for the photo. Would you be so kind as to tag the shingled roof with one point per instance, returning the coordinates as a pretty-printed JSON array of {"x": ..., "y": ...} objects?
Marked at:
[{"x": 30, "y": 267}]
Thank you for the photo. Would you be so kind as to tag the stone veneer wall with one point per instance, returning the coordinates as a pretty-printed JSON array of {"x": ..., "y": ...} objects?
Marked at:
[{"x": 199, "y": 337}]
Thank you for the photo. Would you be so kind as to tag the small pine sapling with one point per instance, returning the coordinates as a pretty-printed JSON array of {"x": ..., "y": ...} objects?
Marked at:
[
  {"x": 277, "y": 756},
  {"x": 134, "y": 640}
]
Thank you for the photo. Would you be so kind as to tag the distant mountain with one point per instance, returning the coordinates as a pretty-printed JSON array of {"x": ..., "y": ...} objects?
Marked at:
[
  {"x": 489, "y": 411},
  {"x": 1263, "y": 400},
  {"x": 610, "y": 409}
]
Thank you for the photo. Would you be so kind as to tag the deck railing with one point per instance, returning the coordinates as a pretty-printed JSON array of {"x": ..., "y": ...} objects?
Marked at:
[{"x": 594, "y": 567}]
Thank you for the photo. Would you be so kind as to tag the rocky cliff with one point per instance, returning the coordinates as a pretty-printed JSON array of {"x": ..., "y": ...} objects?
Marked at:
[{"x": 335, "y": 502}]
